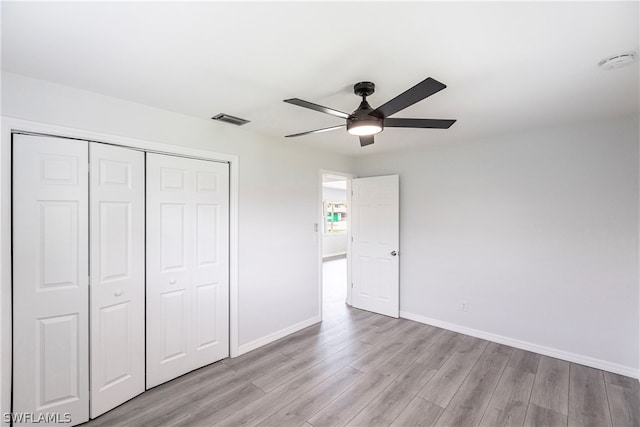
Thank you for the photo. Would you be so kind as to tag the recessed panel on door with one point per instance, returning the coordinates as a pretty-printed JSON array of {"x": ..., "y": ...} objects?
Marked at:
[
  {"x": 117, "y": 276},
  {"x": 173, "y": 314},
  {"x": 50, "y": 278},
  {"x": 173, "y": 236},
  {"x": 187, "y": 265}
]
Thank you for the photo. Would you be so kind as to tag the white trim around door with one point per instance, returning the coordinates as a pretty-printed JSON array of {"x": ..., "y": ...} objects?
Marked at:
[{"x": 13, "y": 125}]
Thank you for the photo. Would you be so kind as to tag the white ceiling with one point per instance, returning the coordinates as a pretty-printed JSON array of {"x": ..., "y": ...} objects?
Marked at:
[{"x": 508, "y": 66}]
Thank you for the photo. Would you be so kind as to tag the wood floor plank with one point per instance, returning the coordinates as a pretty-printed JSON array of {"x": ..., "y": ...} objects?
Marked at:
[
  {"x": 335, "y": 343},
  {"x": 624, "y": 404},
  {"x": 297, "y": 412},
  {"x": 339, "y": 336},
  {"x": 383, "y": 333},
  {"x": 445, "y": 382},
  {"x": 381, "y": 321},
  {"x": 352, "y": 401},
  {"x": 406, "y": 356},
  {"x": 508, "y": 405},
  {"x": 214, "y": 377},
  {"x": 258, "y": 367},
  {"x": 210, "y": 410},
  {"x": 537, "y": 416},
  {"x": 368, "y": 362},
  {"x": 551, "y": 386},
  {"x": 523, "y": 360},
  {"x": 289, "y": 340},
  {"x": 418, "y": 413},
  {"x": 468, "y": 405},
  {"x": 272, "y": 378},
  {"x": 622, "y": 381},
  {"x": 587, "y": 397},
  {"x": 182, "y": 405},
  {"x": 362, "y": 315},
  {"x": 348, "y": 404},
  {"x": 254, "y": 355},
  {"x": 275, "y": 377},
  {"x": 264, "y": 407},
  {"x": 387, "y": 347},
  {"x": 385, "y": 407},
  {"x": 441, "y": 350}
]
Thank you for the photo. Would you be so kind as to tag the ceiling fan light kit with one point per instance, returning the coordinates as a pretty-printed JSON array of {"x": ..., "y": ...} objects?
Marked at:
[{"x": 366, "y": 121}]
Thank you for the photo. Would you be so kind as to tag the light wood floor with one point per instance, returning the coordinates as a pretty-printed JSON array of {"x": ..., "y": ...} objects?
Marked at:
[{"x": 363, "y": 369}]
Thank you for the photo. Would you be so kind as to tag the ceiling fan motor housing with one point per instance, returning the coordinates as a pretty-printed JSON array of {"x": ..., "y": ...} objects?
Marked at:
[{"x": 360, "y": 117}]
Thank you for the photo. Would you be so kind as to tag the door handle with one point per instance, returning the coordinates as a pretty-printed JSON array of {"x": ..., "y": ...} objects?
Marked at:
[
  {"x": 118, "y": 292},
  {"x": 394, "y": 253},
  {"x": 172, "y": 281}
]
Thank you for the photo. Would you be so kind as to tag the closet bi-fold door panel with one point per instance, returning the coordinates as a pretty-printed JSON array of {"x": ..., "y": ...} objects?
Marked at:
[
  {"x": 187, "y": 265},
  {"x": 117, "y": 275},
  {"x": 50, "y": 279}
]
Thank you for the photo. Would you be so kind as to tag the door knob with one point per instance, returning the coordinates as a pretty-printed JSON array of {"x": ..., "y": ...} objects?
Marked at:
[
  {"x": 172, "y": 281},
  {"x": 118, "y": 292},
  {"x": 394, "y": 253}
]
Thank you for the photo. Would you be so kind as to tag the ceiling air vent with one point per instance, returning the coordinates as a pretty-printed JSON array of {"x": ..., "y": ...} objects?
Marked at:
[{"x": 227, "y": 118}]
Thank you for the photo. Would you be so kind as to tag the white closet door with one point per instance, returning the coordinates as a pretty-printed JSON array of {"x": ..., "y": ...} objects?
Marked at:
[
  {"x": 187, "y": 265},
  {"x": 50, "y": 278},
  {"x": 117, "y": 276}
]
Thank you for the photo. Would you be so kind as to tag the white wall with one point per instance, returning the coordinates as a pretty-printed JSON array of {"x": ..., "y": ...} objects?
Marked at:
[
  {"x": 537, "y": 231},
  {"x": 334, "y": 194},
  {"x": 278, "y": 192},
  {"x": 334, "y": 244}
]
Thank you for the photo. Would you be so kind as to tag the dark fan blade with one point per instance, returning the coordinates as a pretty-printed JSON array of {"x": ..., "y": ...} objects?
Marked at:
[
  {"x": 315, "y": 131},
  {"x": 316, "y": 107},
  {"x": 417, "y": 93},
  {"x": 418, "y": 123},
  {"x": 366, "y": 140}
]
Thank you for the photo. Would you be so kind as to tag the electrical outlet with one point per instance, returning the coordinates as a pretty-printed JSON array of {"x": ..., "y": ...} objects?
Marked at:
[{"x": 464, "y": 306}]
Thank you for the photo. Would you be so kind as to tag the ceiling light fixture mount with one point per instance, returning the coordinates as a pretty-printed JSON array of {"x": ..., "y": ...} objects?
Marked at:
[{"x": 618, "y": 61}]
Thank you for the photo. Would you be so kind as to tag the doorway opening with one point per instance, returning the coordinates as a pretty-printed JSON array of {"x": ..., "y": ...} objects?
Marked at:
[{"x": 334, "y": 248}]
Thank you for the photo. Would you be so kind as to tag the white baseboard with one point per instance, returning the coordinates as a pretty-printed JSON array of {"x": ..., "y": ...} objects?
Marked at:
[
  {"x": 245, "y": 348},
  {"x": 335, "y": 255},
  {"x": 524, "y": 345}
]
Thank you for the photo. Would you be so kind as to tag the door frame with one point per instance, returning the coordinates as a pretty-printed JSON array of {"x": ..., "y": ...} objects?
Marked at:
[
  {"x": 12, "y": 125},
  {"x": 348, "y": 177}
]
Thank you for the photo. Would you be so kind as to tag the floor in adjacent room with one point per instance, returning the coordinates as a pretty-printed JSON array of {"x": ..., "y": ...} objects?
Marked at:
[{"x": 360, "y": 368}]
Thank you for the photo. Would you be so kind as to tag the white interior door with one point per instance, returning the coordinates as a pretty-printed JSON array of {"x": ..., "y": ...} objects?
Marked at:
[
  {"x": 117, "y": 276},
  {"x": 187, "y": 265},
  {"x": 50, "y": 278},
  {"x": 376, "y": 224}
]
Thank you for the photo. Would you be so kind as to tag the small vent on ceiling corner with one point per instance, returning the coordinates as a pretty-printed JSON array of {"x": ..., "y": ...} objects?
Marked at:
[{"x": 227, "y": 118}]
